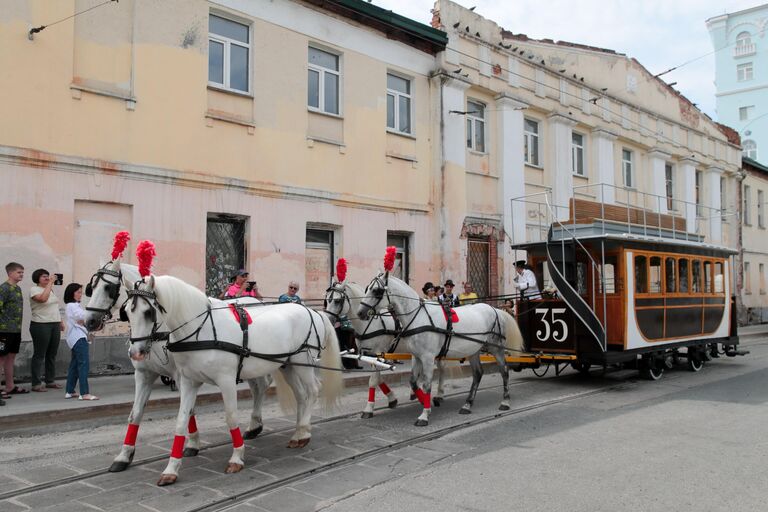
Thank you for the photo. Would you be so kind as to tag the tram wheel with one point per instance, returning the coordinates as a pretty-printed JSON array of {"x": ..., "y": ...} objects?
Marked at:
[
  {"x": 165, "y": 380},
  {"x": 651, "y": 369},
  {"x": 695, "y": 360},
  {"x": 582, "y": 368}
]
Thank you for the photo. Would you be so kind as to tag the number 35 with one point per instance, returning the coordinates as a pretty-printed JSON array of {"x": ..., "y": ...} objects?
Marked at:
[{"x": 558, "y": 334}]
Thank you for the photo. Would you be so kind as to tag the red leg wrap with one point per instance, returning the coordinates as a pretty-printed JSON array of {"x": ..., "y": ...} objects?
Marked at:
[
  {"x": 178, "y": 447},
  {"x": 420, "y": 395},
  {"x": 384, "y": 388},
  {"x": 130, "y": 435},
  {"x": 237, "y": 438},
  {"x": 371, "y": 394},
  {"x": 192, "y": 425},
  {"x": 427, "y": 402}
]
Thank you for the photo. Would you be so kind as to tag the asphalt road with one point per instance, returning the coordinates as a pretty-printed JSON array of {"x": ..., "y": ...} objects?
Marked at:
[{"x": 691, "y": 441}]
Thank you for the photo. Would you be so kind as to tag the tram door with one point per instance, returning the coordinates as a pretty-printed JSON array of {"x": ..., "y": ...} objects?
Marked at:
[
  {"x": 318, "y": 265},
  {"x": 608, "y": 306}
]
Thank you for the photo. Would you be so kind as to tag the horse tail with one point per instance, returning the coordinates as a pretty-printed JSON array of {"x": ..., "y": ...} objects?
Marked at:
[
  {"x": 330, "y": 359},
  {"x": 513, "y": 338}
]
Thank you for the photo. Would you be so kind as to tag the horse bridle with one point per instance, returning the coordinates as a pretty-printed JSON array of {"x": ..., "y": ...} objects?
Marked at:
[
  {"x": 344, "y": 297},
  {"x": 383, "y": 287},
  {"x": 113, "y": 289},
  {"x": 151, "y": 299}
]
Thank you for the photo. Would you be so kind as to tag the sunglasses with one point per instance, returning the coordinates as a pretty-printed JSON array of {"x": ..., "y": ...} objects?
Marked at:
[{"x": 293, "y": 287}]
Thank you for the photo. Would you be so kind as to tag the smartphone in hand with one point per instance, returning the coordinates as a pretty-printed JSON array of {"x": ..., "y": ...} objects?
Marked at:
[
  {"x": 59, "y": 279},
  {"x": 251, "y": 286}
]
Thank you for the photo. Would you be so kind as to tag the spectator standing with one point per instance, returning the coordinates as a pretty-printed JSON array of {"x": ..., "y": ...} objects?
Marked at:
[
  {"x": 241, "y": 287},
  {"x": 291, "y": 295},
  {"x": 11, "y": 311},
  {"x": 448, "y": 298},
  {"x": 469, "y": 296},
  {"x": 45, "y": 328},
  {"x": 77, "y": 340},
  {"x": 428, "y": 291}
]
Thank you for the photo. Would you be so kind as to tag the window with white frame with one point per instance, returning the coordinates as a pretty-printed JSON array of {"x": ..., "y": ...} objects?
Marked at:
[
  {"x": 669, "y": 186},
  {"x": 723, "y": 197},
  {"x": 699, "y": 184},
  {"x": 743, "y": 39},
  {"x": 747, "y": 205},
  {"x": 744, "y": 72},
  {"x": 749, "y": 149},
  {"x": 577, "y": 154},
  {"x": 531, "y": 143},
  {"x": 476, "y": 126},
  {"x": 229, "y": 48},
  {"x": 324, "y": 77},
  {"x": 746, "y": 113},
  {"x": 401, "y": 242},
  {"x": 760, "y": 209},
  {"x": 626, "y": 168},
  {"x": 398, "y": 104}
]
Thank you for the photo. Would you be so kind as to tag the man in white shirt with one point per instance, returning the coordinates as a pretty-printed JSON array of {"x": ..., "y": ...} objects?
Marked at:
[{"x": 526, "y": 281}]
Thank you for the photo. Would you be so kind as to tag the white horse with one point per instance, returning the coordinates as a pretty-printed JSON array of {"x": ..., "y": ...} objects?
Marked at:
[
  {"x": 375, "y": 335},
  {"x": 105, "y": 293},
  {"x": 427, "y": 335},
  {"x": 214, "y": 343}
]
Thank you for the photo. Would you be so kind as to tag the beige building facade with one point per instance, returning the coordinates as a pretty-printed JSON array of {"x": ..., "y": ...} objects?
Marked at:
[{"x": 754, "y": 242}]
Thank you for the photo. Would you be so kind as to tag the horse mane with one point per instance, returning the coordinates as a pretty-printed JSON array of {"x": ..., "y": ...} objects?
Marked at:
[
  {"x": 180, "y": 299},
  {"x": 402, "y": 288}
]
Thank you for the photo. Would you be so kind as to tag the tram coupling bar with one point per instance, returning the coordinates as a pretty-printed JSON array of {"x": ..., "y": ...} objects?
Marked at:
[{"x": 732, "y": 352}]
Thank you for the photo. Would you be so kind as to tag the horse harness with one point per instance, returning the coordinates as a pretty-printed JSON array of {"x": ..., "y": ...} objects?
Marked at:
[
  {"x": 242, "y": 351},
  {"x": 366, "y": 335},
  {"x": 448, "y": 331},
  {"x": 113, "y": 289}
]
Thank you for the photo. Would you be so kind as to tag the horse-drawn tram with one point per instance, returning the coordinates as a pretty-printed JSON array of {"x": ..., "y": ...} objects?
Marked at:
[{"x": 626, "y": 285}]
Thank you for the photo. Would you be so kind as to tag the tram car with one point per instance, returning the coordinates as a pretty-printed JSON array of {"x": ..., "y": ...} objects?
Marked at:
[{"x": 624, "y": 286}]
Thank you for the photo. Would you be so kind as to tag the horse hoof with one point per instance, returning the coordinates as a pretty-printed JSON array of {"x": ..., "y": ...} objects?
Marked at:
[
  {"x": 118, "y": 466},
  {"x": 421, "y": 423},
  {"x": 366, "y": 415},
  {"x": 437, "y": 401},
  {"x": 167, "y": 480},
  {"x": 503, "y": 407},
  {"x": 233, "y": 468},
  {"x": 190, "y": 452},
  {"x": 251, "y": 434},
  {"x": 392, "y": 404},
  {"x": 298, "y": 443},
  {"x": 413, "y": 396},
  {"x": 465, "y": 410}
]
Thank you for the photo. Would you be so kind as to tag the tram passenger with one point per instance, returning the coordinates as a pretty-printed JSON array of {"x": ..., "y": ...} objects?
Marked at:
[
  {"x": 526, "y": 281},
  {"x": 428, "y": 291},
  {"x": 469, "y": 296},
  {"x": 292, "y": 294},
  {"x": 242, "y": 287}
]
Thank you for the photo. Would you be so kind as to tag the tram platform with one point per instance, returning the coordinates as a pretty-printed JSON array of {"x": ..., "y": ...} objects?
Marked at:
[{"x": 115, "y": 394}]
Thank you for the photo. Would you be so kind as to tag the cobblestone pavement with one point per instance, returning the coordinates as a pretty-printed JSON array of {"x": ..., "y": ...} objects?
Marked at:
[{"x": 81, "y": 452}]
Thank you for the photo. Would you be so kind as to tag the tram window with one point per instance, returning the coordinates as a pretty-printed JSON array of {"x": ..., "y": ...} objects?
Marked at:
[
  {"x": 682, "y": 269},
  {"x": 670, "y": 280},
  {"x": 719, "y": 288},
  {"x": 696, "y": 276},
  {"x": 641, "y": 275},
  {"x": 655, "y": 274},
  {"x": 610, "y": 275},
  {"x": 707, "y": 277}
]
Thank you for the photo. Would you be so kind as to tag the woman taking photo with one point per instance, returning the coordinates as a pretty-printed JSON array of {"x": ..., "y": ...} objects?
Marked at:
[
  {"x": 45, "y": 328},
  {"x": 77, "y": 340}
]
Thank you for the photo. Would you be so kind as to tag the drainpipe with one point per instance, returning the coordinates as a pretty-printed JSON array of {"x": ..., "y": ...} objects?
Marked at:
[{"x": 443, "y": 215}]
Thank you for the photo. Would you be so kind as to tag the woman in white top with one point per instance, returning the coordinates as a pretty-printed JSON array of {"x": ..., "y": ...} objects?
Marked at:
[
  {"x": 45, "y": 328},
  {"x": 77, "y": 340}
]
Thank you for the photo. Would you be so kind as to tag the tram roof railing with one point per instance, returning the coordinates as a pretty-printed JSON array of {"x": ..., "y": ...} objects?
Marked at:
[{"x": 605, "y": 210}]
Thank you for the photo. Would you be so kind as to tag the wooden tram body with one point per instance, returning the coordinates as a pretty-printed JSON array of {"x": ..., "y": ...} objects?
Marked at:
[{"x": 666, "y": 294}]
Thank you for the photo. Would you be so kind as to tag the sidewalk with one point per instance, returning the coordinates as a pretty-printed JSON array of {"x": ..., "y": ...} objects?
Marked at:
[{"x": 115, "y": 394}]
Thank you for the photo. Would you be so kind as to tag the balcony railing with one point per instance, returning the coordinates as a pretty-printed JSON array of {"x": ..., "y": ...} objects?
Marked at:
[{"x": 742, "y": 50}]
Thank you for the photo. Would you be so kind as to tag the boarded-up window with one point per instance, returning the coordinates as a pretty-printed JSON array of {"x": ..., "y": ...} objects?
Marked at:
[{"x": 318, "y": 265}]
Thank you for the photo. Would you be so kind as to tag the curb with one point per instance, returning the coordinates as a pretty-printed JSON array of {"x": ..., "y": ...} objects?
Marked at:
[{"x": 102, "y": 410}]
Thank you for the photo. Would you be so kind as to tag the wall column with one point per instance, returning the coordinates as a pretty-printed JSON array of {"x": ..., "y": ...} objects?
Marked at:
[
  {"x": 688, "y": 174},
  {"x": 561, "y": 134},
  {"x": 453, "y": 195},
  {"x": 604, "y": 165},
  {"x": 512, "y": 172},
  {"x": 659, "y": 161},
  {"x": 712, "y": 186}
]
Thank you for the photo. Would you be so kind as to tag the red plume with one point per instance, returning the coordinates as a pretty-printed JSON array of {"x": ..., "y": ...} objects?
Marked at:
[
  {"x": 389, "y": 258},
  {"x": 145, "y": 253},
  {"x": 341, "y": 269},
  {"x": 121, "y": 241}
]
